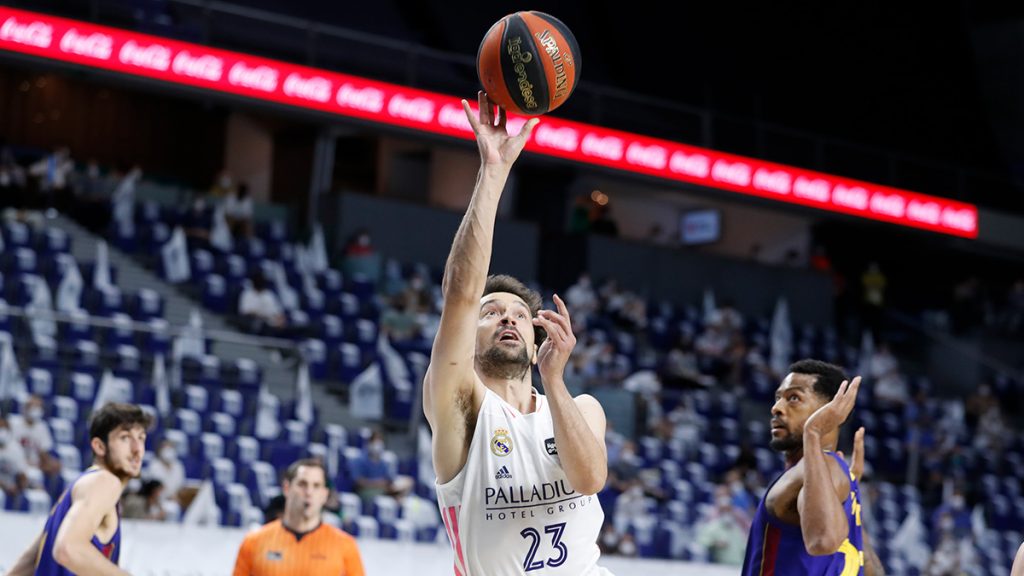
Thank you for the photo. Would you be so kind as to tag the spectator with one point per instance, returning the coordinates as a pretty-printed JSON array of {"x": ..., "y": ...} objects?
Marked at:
[
  {"x": 370, "y": 472},
  {"x": 579, "y": 218},
  {"x": 223, "y": 185},
  {"x": 873, "y": 283},
  {"x": 723, "y": 531},
  {"x": 359, "y": 245},
  {"x": 400, "y": 320},
  {"x": 420, "y": 512},
  {"x": 198, "y": 220},
  {"x": 953, "y": 516},
  {"x": 34, "y": 436},
  {"x": 601, "y": 221},
  {"x": 168, "y": 470},
  {"x": 890, "y": 387},
  {"x": 13, "y": 466},
  {"x": 581, "y": 299},
  {"x": 360, "y": 258},
  {"x": 238, "y": 210},
  {"x": 53, "y": 173},
  {"x": 260, "y": 307},
  {"x": 147, "y": 504}
]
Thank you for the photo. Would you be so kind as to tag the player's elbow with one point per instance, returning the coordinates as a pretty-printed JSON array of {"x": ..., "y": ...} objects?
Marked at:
[
  {"x": 822, "y": 544},
  {"x": 66, "y": 553},
  {"x": 591, "y": 483}
]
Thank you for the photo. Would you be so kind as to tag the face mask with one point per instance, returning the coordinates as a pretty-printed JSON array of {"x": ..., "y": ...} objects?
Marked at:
[
  {"x": 627, "y": 548},
  {"x": 168, "y": 454},
  {"x": 376, "y": 447},
  {"x": 364, "y": 241},
  {"x": 723, "y": 502},
  {"x": 34, "y": 413},
  {"x": 946, "y": 524},
  {"x": 957, "y": 502},
  {"x": 5, "y": 435},
  {"x": 736, "y": 487}
]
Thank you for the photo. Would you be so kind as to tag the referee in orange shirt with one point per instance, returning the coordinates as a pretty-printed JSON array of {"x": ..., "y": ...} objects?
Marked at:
[{"x": 300, "y": 543}]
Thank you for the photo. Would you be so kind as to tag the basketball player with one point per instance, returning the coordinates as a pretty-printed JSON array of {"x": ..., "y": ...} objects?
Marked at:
[
  {"x": 83, "y": 533},
  {"x": 1018, "y": 563},
  {"x": 809, "y": 522},
  {"x": 516, "y": 471},
  {"x": 299, "y": 543}
]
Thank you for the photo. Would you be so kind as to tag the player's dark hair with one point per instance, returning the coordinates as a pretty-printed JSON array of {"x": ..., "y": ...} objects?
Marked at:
[
  {"x": 829, "y": 376},
  {"x": 115, "y": 415},
  {"x": 506, "y": 283},
  {"x": 293, "y": 470}
]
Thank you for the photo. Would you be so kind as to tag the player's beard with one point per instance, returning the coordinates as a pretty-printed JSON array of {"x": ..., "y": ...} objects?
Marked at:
[
  {"x": 500, "y": 362},
  {"x": 787, "y": 443},
  {"x": 115, "y": 469}
]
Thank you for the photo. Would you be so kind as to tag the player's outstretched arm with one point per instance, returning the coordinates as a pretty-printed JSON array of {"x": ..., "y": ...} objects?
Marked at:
[
  {"x": 450, "y": 377},
  {"x": 26, "y": 564},
  {"x": 822, "y": 518},
  {"x": 579, "y": 422},
  {"x": 93, "y": 497}
]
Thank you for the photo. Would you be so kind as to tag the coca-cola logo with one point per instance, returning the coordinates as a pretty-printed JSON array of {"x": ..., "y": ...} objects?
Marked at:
[
  {"x": 36, "y": 33},
  {"x": 204, "y": 67},
  {"x": 928, "y": 212},
  {"x": 607, "y": 147},
  {"x": 652, "y": 156},
  {"x": 850, "y": 196},
  {"x": 737, "y": 173},
  {"x": 960, "y": 218},
  {"x": 697, "y": 165},
  {"x": 366, "y": 99},
  {"x": 315, "y": 88},
  {"x": 888, "y": 204},
  {"x": 153, "y": 56},
  {"x": 565, "y": 138},
  {"x": 93, "y": 45},
  {"x": 774, "y": 181},
  {"x": 415, "y": 109},
  {"x": 452, "y": 116},
  {"x": 262, "y": 78},
  {"x": 816, "y": 189}
]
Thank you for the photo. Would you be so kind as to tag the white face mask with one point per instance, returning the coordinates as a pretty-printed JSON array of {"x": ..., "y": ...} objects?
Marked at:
[
  {"x": 34, "y": 413},
  {"x": 376, "y": 447},
  {"x": 957, "y": 502},
  {"x": 627, "y": 548},
  {"x": 169, "y": 453}
]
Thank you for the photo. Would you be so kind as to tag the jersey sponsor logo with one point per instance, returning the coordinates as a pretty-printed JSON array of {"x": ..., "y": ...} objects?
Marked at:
[
  {"x": 275, "y": 555},
  {"x": 501, "y": 442},
  {"x": 503, "y": 473},
  {"x": 550, "y": 446}
]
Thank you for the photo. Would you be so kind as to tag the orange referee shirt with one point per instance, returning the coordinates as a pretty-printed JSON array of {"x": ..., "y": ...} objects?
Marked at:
[{"x": 274, "y": 550}]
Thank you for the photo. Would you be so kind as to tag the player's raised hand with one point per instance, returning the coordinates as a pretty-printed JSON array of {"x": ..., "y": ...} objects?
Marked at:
[
  {"x": 833, "y": 414},
  {"x": 857, "y": 463},
  {"x": 497, "y": 146},
  {"x": 555, "y": 351}
]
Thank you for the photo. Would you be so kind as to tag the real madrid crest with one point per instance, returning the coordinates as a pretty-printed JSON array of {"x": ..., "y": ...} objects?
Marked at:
[{"x": 501, "y": 442}]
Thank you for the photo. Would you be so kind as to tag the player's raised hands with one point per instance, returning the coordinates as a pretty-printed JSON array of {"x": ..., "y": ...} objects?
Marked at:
[
  {"x": 497, "y": 146},
  {"x": 857, "y": 463}
]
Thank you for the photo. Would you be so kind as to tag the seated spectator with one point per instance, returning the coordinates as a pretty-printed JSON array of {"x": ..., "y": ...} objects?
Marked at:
[
  {"x": 13, "y": 466},
  {"x": 953, "y": 516},
  {"x": 33, "y": 434},
  {"x": 147, "y": 504},
  {"x": 400, "y": 320},
  {"x": 422, "y": 513},
  {"x": 723, "y": 531},
  {"x": 890, "y": 387},
  {"x": 198, "y": 220},
  {"x": 370, "y": 472},
  {"x": 260, "y": 307},
  {"x": 360, "y": 258},
  {"x": 168, "y": 470},
  {"x": 238, "y": 212}
]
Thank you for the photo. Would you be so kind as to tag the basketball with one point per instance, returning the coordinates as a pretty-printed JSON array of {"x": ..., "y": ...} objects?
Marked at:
[{"x": 529, "y": 63}]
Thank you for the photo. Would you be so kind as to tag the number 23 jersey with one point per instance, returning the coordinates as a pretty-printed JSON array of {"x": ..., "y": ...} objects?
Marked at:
[{"x": 511, "y": 510}]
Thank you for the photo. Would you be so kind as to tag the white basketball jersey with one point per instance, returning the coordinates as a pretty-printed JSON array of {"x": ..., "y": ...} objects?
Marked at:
[{"x": 510, "y": 511}]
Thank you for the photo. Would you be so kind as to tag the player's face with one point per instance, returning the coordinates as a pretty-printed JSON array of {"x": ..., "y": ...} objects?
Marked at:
[
  {"x": 795, "y": 401},
  {"x": 124, "y": 449},
  {"x": 504, "y": 335},
  {"x": 307, "y": 493}
]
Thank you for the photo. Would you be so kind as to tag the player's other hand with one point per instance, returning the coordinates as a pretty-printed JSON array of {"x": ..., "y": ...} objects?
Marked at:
[
  {"x": 555, "y": 351},
  {"x": 857, "y": 464}
]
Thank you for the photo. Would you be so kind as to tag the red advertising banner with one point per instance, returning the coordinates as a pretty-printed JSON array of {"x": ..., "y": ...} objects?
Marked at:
[{"x": 271, "y": 80}]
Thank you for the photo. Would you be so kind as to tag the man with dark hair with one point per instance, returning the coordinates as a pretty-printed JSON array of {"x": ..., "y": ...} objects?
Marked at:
[
  {"x": 516, "y": 471},
  {"x": 83, "y": 533},
  {"x": 809, "y": 521},
  {"x": 299, "y": 542}
]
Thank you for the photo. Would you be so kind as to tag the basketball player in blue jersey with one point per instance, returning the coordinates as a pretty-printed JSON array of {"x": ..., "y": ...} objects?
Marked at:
[
  {"x": 83, "y": 532},
  {"x": 809, "y": 521}
]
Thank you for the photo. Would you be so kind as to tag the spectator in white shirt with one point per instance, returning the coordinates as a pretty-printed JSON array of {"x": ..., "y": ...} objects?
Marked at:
[
  {"x": 34, "y": 435},
  {"x": 53, "y": 172},
  {"x": 238, "y": 212},
  {"x": 260, "y": 306},
  {"x": 170, "y": 472},
  {"x": 13, "y": 466}
]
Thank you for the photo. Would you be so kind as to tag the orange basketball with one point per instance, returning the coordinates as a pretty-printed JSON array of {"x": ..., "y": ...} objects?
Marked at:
[{"x": 529, "y": 63}]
